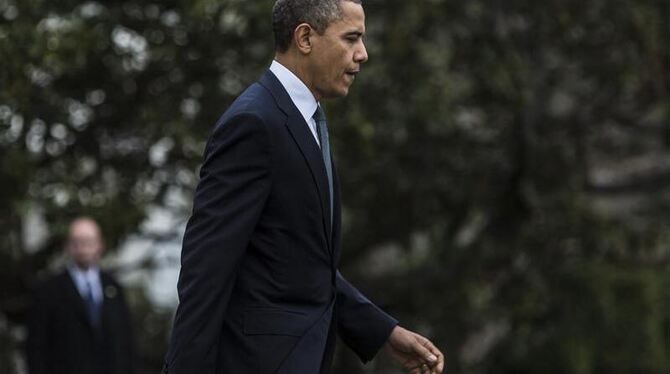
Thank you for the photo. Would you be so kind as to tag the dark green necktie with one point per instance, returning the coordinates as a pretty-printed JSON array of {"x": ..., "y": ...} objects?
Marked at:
[{"x": 322, "y": 131}]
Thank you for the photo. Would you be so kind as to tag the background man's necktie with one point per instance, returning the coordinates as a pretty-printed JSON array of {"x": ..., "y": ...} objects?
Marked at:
[
  {"x": 92, "y": 306},
  {"x": 322, "y": 131}
]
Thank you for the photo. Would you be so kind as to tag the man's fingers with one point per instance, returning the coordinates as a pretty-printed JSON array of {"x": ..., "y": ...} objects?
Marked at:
[
  {"x": 440, "y": 365},
  {"x": 431, "y": 347},
  {"x": 416, "y": 370},
  {"x": 424, "y": 353},
  {"x": 421, "y": 369},
  {"x": 418, "y": 354},
  {"x": 440, "y": 360},
  {"x": 437, "y": 366}
]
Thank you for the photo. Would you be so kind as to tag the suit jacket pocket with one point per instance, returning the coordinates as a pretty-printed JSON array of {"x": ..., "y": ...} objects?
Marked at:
[{"x": 275, "y": 322}]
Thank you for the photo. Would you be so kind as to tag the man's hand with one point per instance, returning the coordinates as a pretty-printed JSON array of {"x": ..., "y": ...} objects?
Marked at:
[{"x": 414, "y": 352}]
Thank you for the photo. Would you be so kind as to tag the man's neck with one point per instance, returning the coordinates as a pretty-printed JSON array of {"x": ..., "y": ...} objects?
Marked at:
[
  {"x": 292, "y": 63},
  {"x": 83, "y": 268}
]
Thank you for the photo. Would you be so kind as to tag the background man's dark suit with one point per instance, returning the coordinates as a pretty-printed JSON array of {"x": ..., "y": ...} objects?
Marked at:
[
  {"x": 61, "y": 339},
  {"x": 259, "y": 287}
]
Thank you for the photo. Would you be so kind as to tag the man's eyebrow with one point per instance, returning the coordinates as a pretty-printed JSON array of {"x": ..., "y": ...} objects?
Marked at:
[{"x": 354, "y": 33}]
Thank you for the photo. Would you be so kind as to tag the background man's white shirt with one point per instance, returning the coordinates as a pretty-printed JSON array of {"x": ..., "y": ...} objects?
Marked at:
[{"x": 83, "y": 278}]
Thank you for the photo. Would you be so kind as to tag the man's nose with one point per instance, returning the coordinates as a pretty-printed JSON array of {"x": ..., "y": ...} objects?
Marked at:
[{"x": 361, "y": 54}]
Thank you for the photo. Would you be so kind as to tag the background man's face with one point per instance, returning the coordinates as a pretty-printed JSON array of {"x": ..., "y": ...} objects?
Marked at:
[
  {"x": 339, "y": 52},
  {"x": 84, "y": 243}
]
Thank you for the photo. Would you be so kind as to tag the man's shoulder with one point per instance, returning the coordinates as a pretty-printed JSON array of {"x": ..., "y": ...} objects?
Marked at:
[
  {"x": 255, "y": 102},
  {"x": 255, "y": 99},
  {"x": 57, "y": 277},
  {"x": 107, "y": 277},
  {"x": 111, "y": 288},
  {"x": 51, "y": 285}
]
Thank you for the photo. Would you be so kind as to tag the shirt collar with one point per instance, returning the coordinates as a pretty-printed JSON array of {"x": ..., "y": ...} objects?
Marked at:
[
  {"x": 87, "y": 281},
  {"x": 92, "y": 274},
  {"x": 300, "y": 95}
]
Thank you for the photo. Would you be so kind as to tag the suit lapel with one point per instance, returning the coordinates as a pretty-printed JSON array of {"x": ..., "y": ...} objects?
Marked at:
[
  {"x": 109, "y": 295},
  {"x": 305, "y": 140},
  {"x": 337, "y": 217},
  {"x": 75, "y": 298}
]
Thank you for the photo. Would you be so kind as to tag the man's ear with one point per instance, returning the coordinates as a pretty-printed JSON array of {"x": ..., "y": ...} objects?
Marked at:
[{"x": 301, "y": 38}]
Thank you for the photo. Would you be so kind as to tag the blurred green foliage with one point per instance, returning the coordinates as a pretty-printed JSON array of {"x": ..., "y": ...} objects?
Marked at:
[{"x": 505, "y": 165}]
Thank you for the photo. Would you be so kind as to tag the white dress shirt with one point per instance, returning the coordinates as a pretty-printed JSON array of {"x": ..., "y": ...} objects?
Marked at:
[
  {"x": 300, "y": 95},
  {"x": 84, "y": 279}
]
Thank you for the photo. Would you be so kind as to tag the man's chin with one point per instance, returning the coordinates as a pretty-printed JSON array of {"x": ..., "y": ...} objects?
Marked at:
[
  {"x": 86, "y": 264},
  {"x": 342, "y": 92},
  {"x": 336, "y": 94}
]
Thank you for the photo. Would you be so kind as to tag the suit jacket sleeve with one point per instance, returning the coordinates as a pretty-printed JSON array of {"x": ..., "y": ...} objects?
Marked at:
[
  {"x": 361, "y": 324},
  {"x": 234, "y": 185}
]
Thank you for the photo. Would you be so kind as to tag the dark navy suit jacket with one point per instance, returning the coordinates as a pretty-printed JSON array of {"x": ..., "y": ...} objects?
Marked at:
[
  {"x": 61, "y": 338},
  {"x": 259, "y": 288}
]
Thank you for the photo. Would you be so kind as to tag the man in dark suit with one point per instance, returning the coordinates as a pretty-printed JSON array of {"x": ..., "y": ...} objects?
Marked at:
[
  {"x": 259, "y": 287},
  {"x": 79, "y": 322}
]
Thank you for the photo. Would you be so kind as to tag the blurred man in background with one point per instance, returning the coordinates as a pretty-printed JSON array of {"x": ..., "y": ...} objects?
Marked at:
[{"x": 79, "y": 323}]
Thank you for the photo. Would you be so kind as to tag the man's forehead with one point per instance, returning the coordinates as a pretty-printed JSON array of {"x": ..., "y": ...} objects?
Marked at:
[
  {"x": 352, "y": 19},
  {"x": 84, "y": 227}
]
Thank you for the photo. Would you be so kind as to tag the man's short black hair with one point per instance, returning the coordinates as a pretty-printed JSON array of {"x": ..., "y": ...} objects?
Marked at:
[{"x": 288, "y": 14}]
